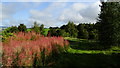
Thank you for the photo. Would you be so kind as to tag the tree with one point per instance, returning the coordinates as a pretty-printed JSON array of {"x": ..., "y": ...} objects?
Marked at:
[
  {"x": 53, "y": 31},
  {"x": 63, "y": 27},
  {"x": 63, "y": 33},
  {"x": 42, "y": 29},
  {"x": 71, "y": 29},
  {"x": 36, "y": 27},
  {"x": 109, "y": 24},
  {"x": 82, "y": 32},
  {"x": 93, "y": 34},
  {"x": 11, "y": 29},
  {"x": 14, "y": 29},
  {"x": 35, "y": 24},
  {"x": 22, "y": 28}
]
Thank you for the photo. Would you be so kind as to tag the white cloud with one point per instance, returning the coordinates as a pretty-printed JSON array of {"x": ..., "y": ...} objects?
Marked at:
[
  {"x": 92, "y": 11},
  {"x": 78, "y": 6},
  {"x": 7, "y": 13},
  {"x": 81, "y": 13},
  {"x": 8, "y": 10},
  {"x": 76, "y": 12},
  {"x": 49, "y": 0},
  {"x": 1, "y": 13},
  {"x": 70, "y": 15},
  {"x": 39, "y": 14},
  {"x": 55, "y": 14},
  {"x": 48, "y": 16},
  {"x": 42, "y": 18}
]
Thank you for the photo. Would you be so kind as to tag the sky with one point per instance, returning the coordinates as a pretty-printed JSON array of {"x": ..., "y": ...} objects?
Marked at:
[{"x": 52, "y": 13}]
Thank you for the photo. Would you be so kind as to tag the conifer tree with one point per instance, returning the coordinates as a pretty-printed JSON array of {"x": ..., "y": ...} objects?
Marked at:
[{"x": 109, "y": 23}]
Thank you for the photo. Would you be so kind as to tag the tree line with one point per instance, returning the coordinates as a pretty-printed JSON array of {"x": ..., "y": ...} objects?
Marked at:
[
  {"x": 83, "y": 31},
  {"x": 22, "y": 28}
]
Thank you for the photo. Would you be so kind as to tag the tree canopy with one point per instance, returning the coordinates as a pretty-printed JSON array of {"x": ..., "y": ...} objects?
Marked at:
[{"x": 109, "y": 23}]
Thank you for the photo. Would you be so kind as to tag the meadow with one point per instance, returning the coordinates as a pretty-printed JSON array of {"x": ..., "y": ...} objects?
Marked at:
[
  {"x": 88, "y": 54},
  {"x": 31, "y": 49},
  {"x": 60, "y": 35}
]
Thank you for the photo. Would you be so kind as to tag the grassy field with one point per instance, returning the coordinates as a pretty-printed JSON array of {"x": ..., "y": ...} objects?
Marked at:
[
  {"x": 0, "y": 33},
  {"x": 88, "y": 54},
  {"x": 45, "y": 31}
]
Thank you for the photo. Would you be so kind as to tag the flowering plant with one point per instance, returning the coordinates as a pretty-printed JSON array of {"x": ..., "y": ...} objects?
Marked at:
[{"x": 31, "y": 49}]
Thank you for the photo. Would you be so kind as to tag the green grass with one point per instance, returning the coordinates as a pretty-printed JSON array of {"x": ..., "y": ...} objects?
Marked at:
[
  {"x": 46, "y": 31},
  {"x": 73, "y": 60},
  {"x": 82, "y": 46},
  {"x": 0, "y": 33},
  {"x": 29, "y": 29},
  {"x": 84, "y": 53},
  {"x": 73, "y": 39},
  {"x": 70, "y": 50}
]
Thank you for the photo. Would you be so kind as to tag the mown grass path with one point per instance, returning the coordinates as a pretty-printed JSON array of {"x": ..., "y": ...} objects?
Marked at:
[
  {"x": 82, "y": 54},
  {"x": 82, "y": 46}
]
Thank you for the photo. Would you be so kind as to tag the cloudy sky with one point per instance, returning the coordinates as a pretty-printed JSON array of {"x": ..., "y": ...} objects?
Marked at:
[{"x": 50, "y": 13}]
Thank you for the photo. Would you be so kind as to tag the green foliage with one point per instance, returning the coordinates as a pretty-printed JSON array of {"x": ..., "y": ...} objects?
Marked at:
[
  {"x": 64, "y": 33},
  {"x": 41, "y": 27},
  {"x": 53, "y": 31},
  {"x": 7, "y": 30},
  {"x": 71, "y": 29},
  {"x": 109, "y": 24},
  {"x": 22, "y": 28},
  {"x": 45, "y": 31},
  {"x": 58, "y": 32},
  {"x": 87, "y": 31},
  {"x": 5, "y": 36},
  {"x": 83, "y": 33},
  {"x": 36, "y": 27},
  {"x": 93, "y": 34},
  {"x": 29, "y": 29},
  {"x": 13, "y": 29},
  {"x": 7, "y": 33},
  {"x": 42, "y": 31}
]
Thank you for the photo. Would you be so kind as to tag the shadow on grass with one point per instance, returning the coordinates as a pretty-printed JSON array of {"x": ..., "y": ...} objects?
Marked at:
[
  {"x": 68, "y": 60},
  {"x": 88, "y": 61},
  {"x": 86, "y": 45}
]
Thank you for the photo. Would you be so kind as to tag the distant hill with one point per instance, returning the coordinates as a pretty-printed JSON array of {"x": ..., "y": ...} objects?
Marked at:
[{"x": 2, "y": 28}]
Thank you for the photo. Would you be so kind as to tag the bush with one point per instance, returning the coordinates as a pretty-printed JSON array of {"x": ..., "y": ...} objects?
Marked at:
[
  {"x": 22, "y": 28},
  {"x": 22, "y": 51}
]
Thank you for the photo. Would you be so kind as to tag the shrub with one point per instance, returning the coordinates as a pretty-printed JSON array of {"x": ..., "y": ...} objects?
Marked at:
[
  {"x": 22, "y": 51},
  {"x": 22, "y": 28}
]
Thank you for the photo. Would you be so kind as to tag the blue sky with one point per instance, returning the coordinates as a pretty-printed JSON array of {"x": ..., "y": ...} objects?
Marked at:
[
  {"x": 48, "y": 13},
  {"x": 49, "y": 0}
]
